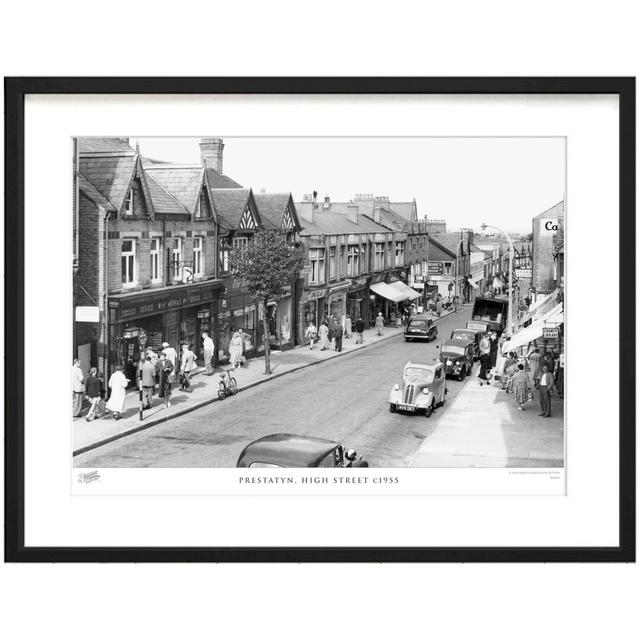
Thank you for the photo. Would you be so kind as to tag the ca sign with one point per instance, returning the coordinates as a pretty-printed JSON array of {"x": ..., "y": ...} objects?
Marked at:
[{"x": 549, "y": 226}]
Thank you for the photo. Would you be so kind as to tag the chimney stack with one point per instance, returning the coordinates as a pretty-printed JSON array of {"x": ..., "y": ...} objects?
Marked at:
[
  {"x": 352, "y": 212},
  {"x": 211, "y": 153}
]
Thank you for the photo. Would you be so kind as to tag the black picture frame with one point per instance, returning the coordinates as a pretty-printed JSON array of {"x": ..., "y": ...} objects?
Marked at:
[{"x": 15, "y": 91}]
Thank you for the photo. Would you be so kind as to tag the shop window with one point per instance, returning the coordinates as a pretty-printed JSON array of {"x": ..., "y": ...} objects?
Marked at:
[
  {"x": 176, "y": 259},
  {"x": 378, "y": 261},
  {"x": 399, "y": 253},
  {"x": 198, "y": 257},
  {"x": 447, "y": 268},
  {"x": 332, "y": 262},
  {"x": 316, "y": 258},
  {"x": 353, "y": 260},
  {"x": 128, "y": 262},
  {"x": 154, "y": 254},
  {"x": 389, "y": 254}
]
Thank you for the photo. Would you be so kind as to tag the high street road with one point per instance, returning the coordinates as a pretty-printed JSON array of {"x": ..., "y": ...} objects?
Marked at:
[{"x": 343, "y": 399}]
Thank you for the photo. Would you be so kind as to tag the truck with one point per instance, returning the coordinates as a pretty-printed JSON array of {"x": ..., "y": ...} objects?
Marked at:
[{"x": 493, "y": 311}]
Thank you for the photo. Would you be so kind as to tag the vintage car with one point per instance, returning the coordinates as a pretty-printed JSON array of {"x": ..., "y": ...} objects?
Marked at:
[
  {"x": 421, "y": 327},
  {"x": 469, "y": 334},
  {"x": 422, "y": 389},
  {"x": 457, "y": 357},
  {"x": 290, "y": 450}
]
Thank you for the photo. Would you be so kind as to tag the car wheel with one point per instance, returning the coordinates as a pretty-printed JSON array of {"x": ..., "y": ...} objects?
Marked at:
[
  {"x": 222, "y": 391},
  {"x": 461, "y": 376},
  {"x": 392, "y": 408},
  {"x": 468, "y": 371},
  {"x": 429, "y": 410}
]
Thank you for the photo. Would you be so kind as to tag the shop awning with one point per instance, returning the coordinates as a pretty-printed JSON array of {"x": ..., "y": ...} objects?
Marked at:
[
  {"x": 534, "y": 331},
  {"x": 408, "y": 292},
  {"x": 541, "y": 306},
  {"x": 472, "y": 283},
  {"x": 384, "y": 290}
]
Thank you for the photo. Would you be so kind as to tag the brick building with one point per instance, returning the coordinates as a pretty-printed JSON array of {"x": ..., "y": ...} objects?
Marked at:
[
  {"x": 147, "y": 254},
  {"x": 548, "y": 234}
]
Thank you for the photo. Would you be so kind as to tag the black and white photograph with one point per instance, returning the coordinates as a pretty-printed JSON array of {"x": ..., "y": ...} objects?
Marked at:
[{"x": 276, "y": 302}]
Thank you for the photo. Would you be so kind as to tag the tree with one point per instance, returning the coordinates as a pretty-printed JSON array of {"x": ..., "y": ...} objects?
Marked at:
[{"x": 266, "y": 266}]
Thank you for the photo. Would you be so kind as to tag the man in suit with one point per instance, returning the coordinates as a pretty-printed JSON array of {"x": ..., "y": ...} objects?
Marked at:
[
  {"x": 337, "y": 334},
  {"x": 148, "y": 374},
  {"x": 359, "y": 330},
  {"x": 547, "y": 383},
  {"x": 187, "y": 365}
]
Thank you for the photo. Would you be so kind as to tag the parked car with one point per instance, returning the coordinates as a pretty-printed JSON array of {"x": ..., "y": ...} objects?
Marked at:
[
  {"x": 421, "y": 390},
  {"x": 457, "y": 357},
  {"x": 290, "y": 450},
  {"x": 421, "y": 327},
  {"x": 469, "y": 334}
]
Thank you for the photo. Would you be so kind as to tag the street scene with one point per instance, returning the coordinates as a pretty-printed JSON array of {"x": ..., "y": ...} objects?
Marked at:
[{"x": 222, "y": 325}]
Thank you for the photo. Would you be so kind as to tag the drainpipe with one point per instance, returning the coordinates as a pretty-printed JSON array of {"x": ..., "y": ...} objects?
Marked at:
[{"x": 105, "y": 266}]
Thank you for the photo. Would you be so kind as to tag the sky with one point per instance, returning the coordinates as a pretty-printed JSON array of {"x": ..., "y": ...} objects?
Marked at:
[{"x": 504, "y": 182}]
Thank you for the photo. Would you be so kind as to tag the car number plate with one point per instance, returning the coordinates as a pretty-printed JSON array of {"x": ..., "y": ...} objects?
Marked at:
[{"x": 406, "y": 407}]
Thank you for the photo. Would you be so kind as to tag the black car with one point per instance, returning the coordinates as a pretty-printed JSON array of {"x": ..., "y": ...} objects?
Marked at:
[
  {"x": 469, "y": 334},
  {"x": 457, "y": 357},
  {"x": 421, "y": 327}
]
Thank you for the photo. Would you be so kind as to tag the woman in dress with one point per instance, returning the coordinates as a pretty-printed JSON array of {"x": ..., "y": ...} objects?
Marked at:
[
  {"x": 166, "y": 379},
  {"x": 118, "y": 385},
  {"x": 534, "y": 358},
  {"x": 521, "y": 386},
  {"x": 311, "y": 333},
  {"x": 235, "y": 350},
  {"x": 323, "y": 332}
]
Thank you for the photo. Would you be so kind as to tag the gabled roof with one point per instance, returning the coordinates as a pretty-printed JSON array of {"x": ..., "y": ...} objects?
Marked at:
[
  {"x": 218, "y": 180},
  {"x": 109, "y": 173},
  {"x": 89, "y": 145},
  {"x": 404, "y": 209},
  {"x": 273, "y": 208},
  {"x": 439, "y": 252},
  {"x": 183, "y": 181},
  {"x": 93, "y": 194},
  {"x": 339, "y": 223},
  {"x": 451, "y": 241},
  {"x": 163, "y": 201},
  {"x": 556, "y": 211},
  {"x": 392, "y": 220},
  {"x": 231, "y": 204}
]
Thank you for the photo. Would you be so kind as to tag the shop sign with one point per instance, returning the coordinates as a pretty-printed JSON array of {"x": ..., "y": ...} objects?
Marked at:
[
  {"x": 340, "y": 287},
  {"x": 238, "y": 312},
  {"x": 224, "y": 314},
  {"x": 523, "y": 273},
  {"x": 379, "y": 278},
  {"x": 87, "y": 314},
  {"x": 316, "y": 294},
  {"x": 248, "y": 309},
  {"x": 360, "y": 282},
  {"x": 551, "y": 333},
  {"x": 435, "y": 268},
  {"x": 419, "y": 279}
]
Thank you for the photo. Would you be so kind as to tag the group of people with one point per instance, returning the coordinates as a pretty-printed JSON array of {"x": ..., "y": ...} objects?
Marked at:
[
  {"x": 541, "y": 370},
  {"x": 156, "y": 371},
  {"x": 331, "y": 333}
]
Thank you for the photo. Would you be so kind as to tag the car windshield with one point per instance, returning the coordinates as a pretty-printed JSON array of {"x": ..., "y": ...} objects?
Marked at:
[
  {"x": 463, "y": 335},
  {"x": 425, "y": 375},
  {"x": 453, "y": 349},
  {"x": 419, "y": 324}
]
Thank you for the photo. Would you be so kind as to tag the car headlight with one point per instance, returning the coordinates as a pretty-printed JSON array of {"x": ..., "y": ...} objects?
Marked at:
[
  {"x": 396, "y": 387},
  {"x": 425, "y": 391}
]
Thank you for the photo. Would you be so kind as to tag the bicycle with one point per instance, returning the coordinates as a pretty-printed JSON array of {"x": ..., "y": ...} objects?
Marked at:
[{"x": 228, "y": 385}]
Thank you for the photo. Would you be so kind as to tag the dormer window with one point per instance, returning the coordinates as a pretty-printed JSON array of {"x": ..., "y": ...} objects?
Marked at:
[{"x": 128, "y": 203}]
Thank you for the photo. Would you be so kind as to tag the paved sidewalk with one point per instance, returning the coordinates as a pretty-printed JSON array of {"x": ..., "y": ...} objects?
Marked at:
[
  {"x": 89, "y": 435},
  {"x": 482, "y": 427}
]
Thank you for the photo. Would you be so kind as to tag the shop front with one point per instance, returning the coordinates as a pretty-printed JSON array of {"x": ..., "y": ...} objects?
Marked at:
[
  {"x": 144, "y": 320},
  {"x": 311, "y": 309},
  {"x": 335, "y": 303},
  {"x": 357, "y": 300}
]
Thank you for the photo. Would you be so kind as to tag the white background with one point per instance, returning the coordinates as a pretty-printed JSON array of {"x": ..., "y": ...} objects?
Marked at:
[{"x": 381, "y": 601}]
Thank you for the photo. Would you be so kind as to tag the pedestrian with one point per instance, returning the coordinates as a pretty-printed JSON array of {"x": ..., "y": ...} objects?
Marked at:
[
  {"x": 148, "y": 374},
  {"x": 509, "y": 370},
  {"x": 311, "y": 332},
  {"x": 100, "y": 409},
  {"x": 535, "y": 359},
  {"x": 359, "y": 330},
  {"x": 338, "y": 338},
  {"x": 94, "y": 393},
  {"x": 235, "y": 350},
  {"x": 347, "y": 326},
  {"x": 118, "y": 385},
  {"x": 493, "y": 347},
  {"x": 548, "y": 358},
  {"x": 560, "y": 375},
  {"x": 379, "y": 323},
  {"x": 187, "y": 365},
  {"x": 77, "y": 380},
  {"x": 324, "y": 335},
  {"x": 208, "y": 349},
  {"x": 439, "y": 307},
  {"x": 485, "y": 346},
  {"x": 485, "y": 367},
  {"x": 166, "y": 376},
  {"x": 244, "y": 339},
  {"x": 172, "y": 355},
  {"x": 546, "y": 386},
  {"x": 521, "y": 385}
]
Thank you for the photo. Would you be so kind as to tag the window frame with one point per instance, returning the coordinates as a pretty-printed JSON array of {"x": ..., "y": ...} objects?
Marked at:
[
  {"x": 128, "y": 203},
  {"x": 155, "y": 255},
  {"x": 198, "y": 256},
  {"x": 317, "y": 265},
  {"x": 177, "y": 270},
  {"x": 126, "y": 255}
]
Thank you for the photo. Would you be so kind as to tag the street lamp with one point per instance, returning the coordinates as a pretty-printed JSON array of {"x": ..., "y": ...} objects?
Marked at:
[{"x": 484, "y": 226}]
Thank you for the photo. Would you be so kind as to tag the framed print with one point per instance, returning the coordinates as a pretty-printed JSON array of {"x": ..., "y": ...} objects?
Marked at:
[{"x": 320, "y": 319}]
